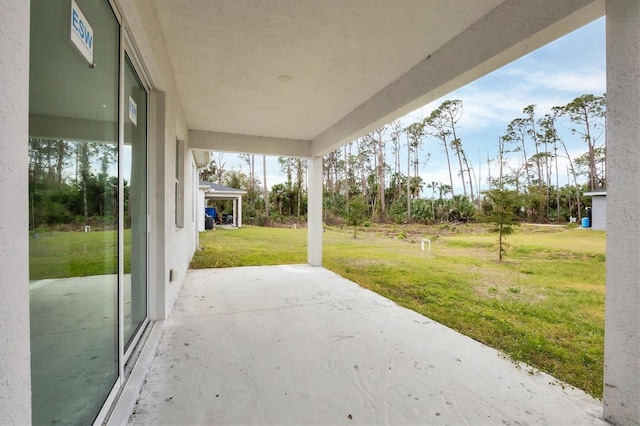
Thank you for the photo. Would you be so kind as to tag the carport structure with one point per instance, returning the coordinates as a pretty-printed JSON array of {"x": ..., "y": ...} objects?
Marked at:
[
  {"x": 301, "y": 78},
  {"x": 213, "y": 191}
]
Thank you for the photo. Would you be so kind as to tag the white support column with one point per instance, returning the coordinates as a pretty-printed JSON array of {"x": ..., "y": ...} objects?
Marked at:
[
  {"x": 234, "y": 207},
  {"x": 622, "y": 313},
  {"x": 239, "y": 220},
  {"x": 200, "y": 212},
  {"x": 314, "y": 213},
  {"x": 15, "y": 368}
]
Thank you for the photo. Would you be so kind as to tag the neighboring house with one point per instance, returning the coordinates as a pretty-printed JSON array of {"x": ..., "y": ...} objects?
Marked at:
[
  {"x": 215, "y": 192},
  {"x": 599, "y": 210},
  {"x": 118, "y": 102}
]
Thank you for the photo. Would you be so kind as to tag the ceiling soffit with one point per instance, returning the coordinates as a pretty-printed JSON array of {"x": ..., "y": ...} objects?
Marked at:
[
  {"x": 324, "y": 72},
  {"x": 227, "y": 57}
]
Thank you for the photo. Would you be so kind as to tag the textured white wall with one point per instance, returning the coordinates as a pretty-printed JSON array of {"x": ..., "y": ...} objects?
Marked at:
[
  {"x": 599, "y": 213},
  {"x": 174, "y": 246},
  {"x": 15, "y": 371},
  {"x": 622, "y": 316}
]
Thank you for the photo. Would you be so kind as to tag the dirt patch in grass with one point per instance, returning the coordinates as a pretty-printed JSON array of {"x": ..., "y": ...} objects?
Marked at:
[
  {"x": 418, "y": 231},
  {"x": 366, "y": 263},
  {"x": 501, "y": 285}
]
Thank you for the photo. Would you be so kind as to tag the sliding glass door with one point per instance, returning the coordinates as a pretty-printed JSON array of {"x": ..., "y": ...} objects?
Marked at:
[
  {"x": 134, "y": 161},
  {"x": 87, "y": 208}
]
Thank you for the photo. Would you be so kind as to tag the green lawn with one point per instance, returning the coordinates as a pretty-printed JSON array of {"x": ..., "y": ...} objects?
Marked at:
[
  {"x": 543, "y": 305},
  {"x": 75, "y": 254}
]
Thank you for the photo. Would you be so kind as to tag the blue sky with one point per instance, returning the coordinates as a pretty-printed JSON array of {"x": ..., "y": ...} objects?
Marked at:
[{"x": 551, "y": 76}]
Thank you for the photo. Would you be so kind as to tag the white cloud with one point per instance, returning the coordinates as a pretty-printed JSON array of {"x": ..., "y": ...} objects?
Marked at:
[
  {"x": 570, "y": 81},
  {"x": 492, "y": 102}
]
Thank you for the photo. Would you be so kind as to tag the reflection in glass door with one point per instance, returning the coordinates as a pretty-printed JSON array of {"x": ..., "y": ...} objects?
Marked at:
[
  {"x": 87, "y": 211},
  {"x": 134, "y": 169},
  {"x": 73, "y": 213}
]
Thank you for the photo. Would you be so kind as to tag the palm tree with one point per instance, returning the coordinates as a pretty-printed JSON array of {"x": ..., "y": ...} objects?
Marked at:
[{"x": 280, "y": 196}]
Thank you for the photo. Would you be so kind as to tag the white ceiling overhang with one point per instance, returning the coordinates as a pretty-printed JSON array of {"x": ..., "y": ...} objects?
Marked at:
[
  {"x": 202, "y": 158},
  {"x": 223, "y": 195},
  {"x": 303, "y": 77}
]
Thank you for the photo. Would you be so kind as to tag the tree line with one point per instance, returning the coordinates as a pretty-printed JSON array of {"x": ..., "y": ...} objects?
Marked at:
[
  {"x": 384, "y": 170},
  {"x": 73, "y": 182},
  {"x": 285, "y": 201}
]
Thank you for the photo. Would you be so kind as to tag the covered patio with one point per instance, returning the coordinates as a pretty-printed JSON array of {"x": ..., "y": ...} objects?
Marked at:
[
  {"x": 302, "y": 345},
  {"x": 298, "y": 79}
]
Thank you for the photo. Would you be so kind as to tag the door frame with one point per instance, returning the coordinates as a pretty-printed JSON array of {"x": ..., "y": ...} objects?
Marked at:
[{"x": 128, "y": 49}]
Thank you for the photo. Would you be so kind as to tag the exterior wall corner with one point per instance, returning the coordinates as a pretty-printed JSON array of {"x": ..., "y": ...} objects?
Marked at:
[{"x": 15, "y": 369}]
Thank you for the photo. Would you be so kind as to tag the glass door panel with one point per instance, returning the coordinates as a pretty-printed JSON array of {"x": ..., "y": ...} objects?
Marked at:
[
  {"x": 135, "y": 203},
  {"x": 73, "y": 213}
]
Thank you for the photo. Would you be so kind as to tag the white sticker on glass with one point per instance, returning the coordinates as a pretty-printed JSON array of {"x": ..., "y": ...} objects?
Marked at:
[
  {"x": 133, "y": 111},
  {"x": 81, "y": 33}
]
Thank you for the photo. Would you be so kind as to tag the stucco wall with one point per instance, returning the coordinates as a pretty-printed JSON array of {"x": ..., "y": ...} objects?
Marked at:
[
  {"x": 15, "y": 371},
  {"x": 176, "y": 245},
  {"x": 599, "y": 213},
  {"x": 622, "y": 311}
]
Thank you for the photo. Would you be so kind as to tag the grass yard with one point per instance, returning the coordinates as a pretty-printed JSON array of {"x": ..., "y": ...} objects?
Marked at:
[
  {"x": 59, "y": 254},
  {"x": 543, "y": 305}
]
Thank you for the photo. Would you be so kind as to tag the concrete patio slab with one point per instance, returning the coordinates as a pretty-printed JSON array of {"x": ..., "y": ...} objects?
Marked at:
[{"x": 302, "y": 345}]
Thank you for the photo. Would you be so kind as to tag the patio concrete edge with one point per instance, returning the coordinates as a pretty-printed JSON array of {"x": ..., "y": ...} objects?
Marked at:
[{"x": 129, "y": 395}]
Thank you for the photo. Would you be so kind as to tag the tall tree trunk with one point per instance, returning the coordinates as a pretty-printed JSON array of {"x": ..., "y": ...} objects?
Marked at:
[
  {"x": 446, "y": 153},
  {"x": 534, "y": 136},
  {"x": 408, "y": 180},
  {"x": 382, "y": 184},
  {"x": 592, "y": 156},
  {"x": 50, "y": 173},
  {"x": 466, "y": 162},
  {"x": 84, "y": 175},
  {"x": 501, "y": 164},
  {"x": 335, "y": 171},
  {"x": 379, "y": 154},
  {"x": 458, "y": 147},
  {"x": 555, "y": 159},
  {"x": 299, "y": 177},
  {"x": 523, "y": 140},
  {"x": 489, "y": 169},
  {"x": 500, "y": 232},
  {"x": 61, "y": 151},
  {"x": 252, "y": 162},
  {"x": 220, "y": 168},
  {"x": 347, "y": 169},
  {"x": 362, "y": 168},
  {"x": 575, "y": 181},
  {"x": 395, "y": 139},
  {"x": 459, "y": 154},
  {"x": 266, "y": 191}
]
